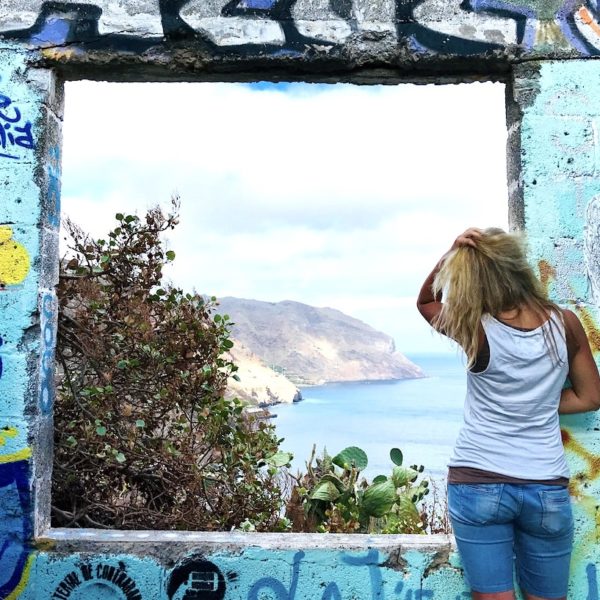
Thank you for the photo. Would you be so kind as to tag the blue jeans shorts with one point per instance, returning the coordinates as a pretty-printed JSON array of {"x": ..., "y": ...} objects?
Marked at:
[{"x": 497, "y": 525}]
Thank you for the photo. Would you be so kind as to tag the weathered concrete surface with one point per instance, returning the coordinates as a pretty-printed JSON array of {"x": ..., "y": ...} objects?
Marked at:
[
  {"x": 317, "y": 40},
  {"x": 249, "y": 566},
  {"x": 555, "y": 182}
]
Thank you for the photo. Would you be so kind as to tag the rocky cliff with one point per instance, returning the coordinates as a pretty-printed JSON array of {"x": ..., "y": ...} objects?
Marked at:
[
  {"x": 257, "y": 384},
  {"x": 312, "y": 346}
]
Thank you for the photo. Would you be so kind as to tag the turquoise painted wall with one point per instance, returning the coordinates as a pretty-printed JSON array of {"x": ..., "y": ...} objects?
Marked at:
[{"x": 561, "y": 189}]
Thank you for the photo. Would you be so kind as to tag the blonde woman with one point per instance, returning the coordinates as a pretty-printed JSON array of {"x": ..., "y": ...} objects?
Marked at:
[{"x": 507, "y": 480}]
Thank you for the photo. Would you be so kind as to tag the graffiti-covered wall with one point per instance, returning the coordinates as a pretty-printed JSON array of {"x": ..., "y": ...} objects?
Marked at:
[
  {"x": 553, "y": 108},
  {"x": 306, "y": 38}
]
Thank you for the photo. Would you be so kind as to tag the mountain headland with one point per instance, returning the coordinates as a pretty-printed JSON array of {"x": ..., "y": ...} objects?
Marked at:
[{"x": 290, "y": 341}]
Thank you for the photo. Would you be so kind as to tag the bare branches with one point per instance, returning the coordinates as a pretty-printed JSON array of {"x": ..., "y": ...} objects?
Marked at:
[{"x": 143, "y": 436}]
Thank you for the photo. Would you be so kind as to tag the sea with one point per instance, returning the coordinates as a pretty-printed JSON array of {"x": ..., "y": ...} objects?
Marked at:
[{"x": 422, "y": 417}]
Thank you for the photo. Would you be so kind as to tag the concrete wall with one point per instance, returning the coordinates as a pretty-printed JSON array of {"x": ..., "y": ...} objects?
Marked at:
[{"x": 553, "y": 108}]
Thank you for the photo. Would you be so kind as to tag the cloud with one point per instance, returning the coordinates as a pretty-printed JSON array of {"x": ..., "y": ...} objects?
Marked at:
[
  {"x": 309, "y": 192},
  {"x": 330, "y": 156}
]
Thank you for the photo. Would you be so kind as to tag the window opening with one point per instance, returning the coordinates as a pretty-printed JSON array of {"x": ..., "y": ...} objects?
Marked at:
[{"x": 335, "y": 197}]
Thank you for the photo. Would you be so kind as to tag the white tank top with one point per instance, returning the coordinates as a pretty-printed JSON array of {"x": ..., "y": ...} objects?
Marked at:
[{"x": 511, "y": 424}]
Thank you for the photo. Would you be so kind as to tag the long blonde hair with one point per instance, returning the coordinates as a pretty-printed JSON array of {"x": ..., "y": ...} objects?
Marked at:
[{"x": 491, "y": 278}]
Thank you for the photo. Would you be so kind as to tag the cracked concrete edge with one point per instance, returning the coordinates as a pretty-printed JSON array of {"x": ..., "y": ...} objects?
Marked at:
[{"x": 163, "y": 544}]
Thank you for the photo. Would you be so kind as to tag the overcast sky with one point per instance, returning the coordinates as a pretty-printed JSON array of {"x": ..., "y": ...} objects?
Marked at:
[{"x": 340, "y": 196}]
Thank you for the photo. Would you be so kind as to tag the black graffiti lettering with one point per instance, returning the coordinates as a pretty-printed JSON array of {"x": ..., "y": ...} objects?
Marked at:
[
  {"x": 66, "y": 586},
  {"x": 121, "y": 579},
  {"x": 86, "y": 572},
  {"x": 201, "y": 580}
]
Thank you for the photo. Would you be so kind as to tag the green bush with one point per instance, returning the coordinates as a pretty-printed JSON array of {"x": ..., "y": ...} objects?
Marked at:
[
  {"x": 330, "y": 498},
  {"x": 143, "y": 435}
]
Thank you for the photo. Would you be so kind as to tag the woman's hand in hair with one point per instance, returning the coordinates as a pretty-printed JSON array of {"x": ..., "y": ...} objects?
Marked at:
[
  {"x": 428, "y": 304},
  {"x": 469, "y": 237}
]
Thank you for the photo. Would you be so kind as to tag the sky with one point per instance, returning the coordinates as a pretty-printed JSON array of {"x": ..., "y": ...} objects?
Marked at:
[{"x": 333, "y": 195}]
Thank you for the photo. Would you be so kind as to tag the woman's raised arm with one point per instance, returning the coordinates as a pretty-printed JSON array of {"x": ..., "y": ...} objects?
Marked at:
[{"x": 584, "y": 395}]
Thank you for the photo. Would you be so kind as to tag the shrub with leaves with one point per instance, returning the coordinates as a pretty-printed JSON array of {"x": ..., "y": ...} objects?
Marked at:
[
  {"x": 330, "y": 498},
  {"x": 143, "y": 435}
]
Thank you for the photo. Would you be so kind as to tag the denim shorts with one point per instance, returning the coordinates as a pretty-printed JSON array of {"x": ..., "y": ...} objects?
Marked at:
[{"x": 497, "y": 525}]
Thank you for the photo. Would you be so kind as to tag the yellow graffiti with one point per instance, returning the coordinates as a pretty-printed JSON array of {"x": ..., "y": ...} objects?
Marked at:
[
  {"x": 14, "y": 259},
  {"x": 570, "y": 443},
  {"x": 16, "y": 593},
  {"x": 7, "y": 432},
  {"x": 547, "y": 274},
  {"x": 15, "y": 456},
  {"x": 590, "y": 328},
  {"x": 549, "y": 34},
  {"x": 58, "y": 53}
]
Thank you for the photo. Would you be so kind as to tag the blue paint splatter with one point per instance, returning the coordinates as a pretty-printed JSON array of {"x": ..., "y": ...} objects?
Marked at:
[
  {"x": 371, "y": 560},
  {"x": 53, "y": 170},
  {"x": 276, "y": 586},
  {"x": 54, "y": 31},
  {"x": 48, "y": 327},
  {"x": 332, "y": 592},
  {"x": 257, "y": 4},
  {"x": 15, "y": 524},
  {"x": 592, "y": 579}
]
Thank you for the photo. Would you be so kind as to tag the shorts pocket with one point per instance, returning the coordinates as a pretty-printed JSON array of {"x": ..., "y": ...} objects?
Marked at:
[
  {"x": 478, "y": 504},
  {"x": 557, "y": 515}
]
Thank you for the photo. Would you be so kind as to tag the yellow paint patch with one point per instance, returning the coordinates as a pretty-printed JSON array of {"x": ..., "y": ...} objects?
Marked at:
[
  {"x": 547, "y": 273},
  {"x": 44, "y": 544},
  {"x": 572, "y": 445},
  {"x": 549, "y": 33},
  {"x": 9, "y": 432},
  {"x": 58, "y": 53},
  {"x": 24, "y": 579},
  {"x": 15, "y": 456},
  {"x": 591, "y": 330},
  {"x": 14, "y": 259}
]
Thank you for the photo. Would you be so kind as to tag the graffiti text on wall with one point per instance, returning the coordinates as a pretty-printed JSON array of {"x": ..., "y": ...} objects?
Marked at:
[
  {"x": 54, "y": 173},
  {"x": 460, "y": 27},
  {"x": 48, "y": 327},
  {"x": 99, "y": 580},
  {"x": 199, "y": 579},
  {"x": 15, "y": 133}
]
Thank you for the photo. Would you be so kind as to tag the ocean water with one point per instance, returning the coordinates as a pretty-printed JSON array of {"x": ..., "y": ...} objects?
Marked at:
[{"x": 420, "y": 416}]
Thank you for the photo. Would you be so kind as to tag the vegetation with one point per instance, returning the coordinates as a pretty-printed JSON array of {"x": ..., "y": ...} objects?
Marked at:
[
  {"x": 330, "y": 498},
  {"x": 144, "y": 437}
]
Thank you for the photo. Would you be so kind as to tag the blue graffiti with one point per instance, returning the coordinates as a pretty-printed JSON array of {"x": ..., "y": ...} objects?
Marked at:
[
  {"x": 1, "y": 342},
  {"x": 371, "y": 560},
  {"x": 48, "y": 327},
  {"x": 332, "y": 591},
  {"x": 14, "y": 133},
  {"x": 276, "y": 586},
  {"x": 592, "y": 580},
  {"x": 53, "y": 170},
  {"x": 417, "y": 594},
  {"x": 257, "y": 4},
  {"x": 15, "y": 524}
]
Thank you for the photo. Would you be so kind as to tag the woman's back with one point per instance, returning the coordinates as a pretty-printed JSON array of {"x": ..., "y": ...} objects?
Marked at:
[{"x": 511, "y": 422}]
